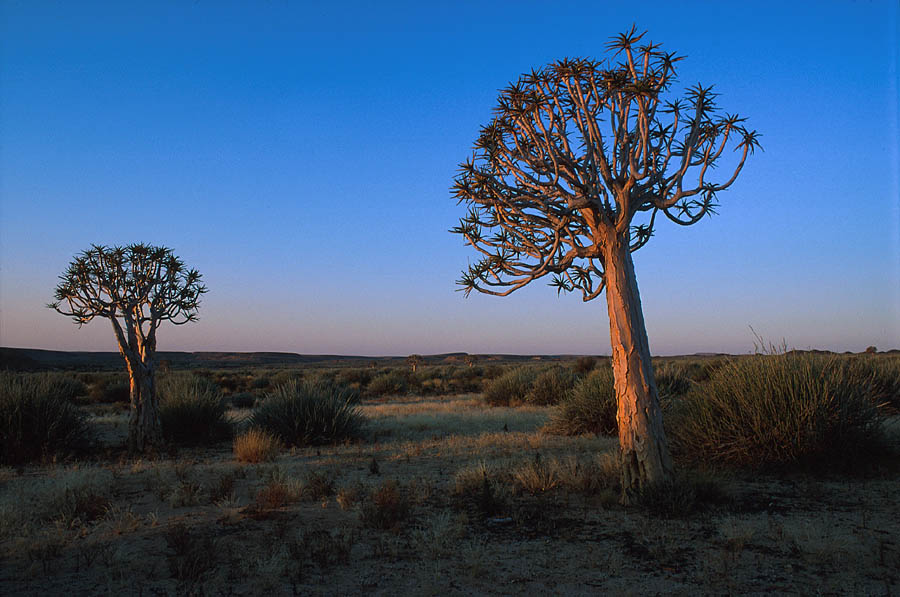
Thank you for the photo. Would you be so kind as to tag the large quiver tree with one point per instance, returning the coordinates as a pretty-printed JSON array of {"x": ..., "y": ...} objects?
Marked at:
[
  {"x": 137, "y": 288},
  {"x": 570, "y": 178}
]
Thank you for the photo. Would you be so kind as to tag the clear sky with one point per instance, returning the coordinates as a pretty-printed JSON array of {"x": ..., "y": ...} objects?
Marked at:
[{"x": 300, "y": 154}]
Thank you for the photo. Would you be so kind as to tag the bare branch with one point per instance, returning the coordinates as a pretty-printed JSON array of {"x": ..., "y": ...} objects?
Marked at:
[{"x": 575, "y": 150}]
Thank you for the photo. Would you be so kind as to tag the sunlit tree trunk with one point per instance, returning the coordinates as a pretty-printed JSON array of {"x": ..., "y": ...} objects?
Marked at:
[
  {"x": 144, "y": 431},
  {"x": 644, "y": 451}
]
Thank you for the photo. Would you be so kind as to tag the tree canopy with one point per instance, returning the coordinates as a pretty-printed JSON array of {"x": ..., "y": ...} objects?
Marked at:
[
  {"x": 143, "y": 285},
  {"x": 576, "y": 150}
]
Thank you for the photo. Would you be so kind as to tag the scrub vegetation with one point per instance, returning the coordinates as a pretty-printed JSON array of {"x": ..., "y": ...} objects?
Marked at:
[{"x": 306, "y": 480}]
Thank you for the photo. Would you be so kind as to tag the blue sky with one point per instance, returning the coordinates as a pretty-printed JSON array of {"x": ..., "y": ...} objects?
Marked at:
[{"x": 300, "y": 156}]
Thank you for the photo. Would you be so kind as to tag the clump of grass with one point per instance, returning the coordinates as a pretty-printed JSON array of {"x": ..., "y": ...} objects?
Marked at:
[
  {"x": 318, "y": 485},
  {"x": 780, "y": 410},
  {"x": 323, "y": 547},
  {"x": 687, "y": 493},
  {"x": 310, "y": 413},
  {"x": 551, "y": 386},
  {"x": 480, "y": 489},
  {"x": 64, "y": 387},
  {"x": 386, "y": 508},
  {"x": 584, "y": 365},
  {"x": 355, "y": 376},
  {"x": 391, "y": 383},
  {"x": 256, "y": 445},
  {"x": 110, "y": 390},
  {"x": 884, "y": 377},
  {"x": 596, "y": 476},
  {"x": 279, "y": 489},
  {"x": 590, "y": 408},
  {"x": 35, "y": 422},
  {"x": 511, "y": 388},
  {"x": 671, "y": 381},
  {"x": 536, "y": 476},
  {"x": 192, "y": 410},
  {"x": 243, "y": 400},
  {"x": 193, "y": 555}
]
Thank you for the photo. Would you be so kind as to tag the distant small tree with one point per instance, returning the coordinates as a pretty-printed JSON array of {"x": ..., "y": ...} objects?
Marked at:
[
  {"x": 871, "y": 350},
  {"x": 577, "y": 151},
  {"x": 136, "y": 287},
  {"x": 414, "y": 360}
]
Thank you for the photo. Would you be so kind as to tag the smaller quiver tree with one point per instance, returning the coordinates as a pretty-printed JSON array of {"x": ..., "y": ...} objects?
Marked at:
[
  {"x": 136, "y": 287},
  {"x": 414, "y": 360}
]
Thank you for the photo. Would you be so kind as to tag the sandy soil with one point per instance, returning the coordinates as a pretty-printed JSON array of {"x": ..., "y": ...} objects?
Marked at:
[{"x": 202, "y": 523}]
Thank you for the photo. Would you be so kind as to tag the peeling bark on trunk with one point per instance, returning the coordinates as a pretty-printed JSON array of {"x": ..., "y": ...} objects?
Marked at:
[
  {"x": 144, "y": 431},
  {"x": 644, "y": 451}
]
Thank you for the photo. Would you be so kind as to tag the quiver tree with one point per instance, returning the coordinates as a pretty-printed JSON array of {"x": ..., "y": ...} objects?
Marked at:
[
  {"x": 137, "y": 288},
  {"x": 579, "y": 163},
  {"x": 414, "y": 360}
]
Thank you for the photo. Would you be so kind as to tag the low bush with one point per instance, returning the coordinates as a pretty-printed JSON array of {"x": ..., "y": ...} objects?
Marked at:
[
  {"x": 192, "y": 410},
  {"x": 884, "y": 377},
  {"x": 590, "y": 408},
  {"x": 391, "y": 383},
  {"x": 551, "y": 386},
  {"x": 464, "y": 380},
  {"x": 256, "y": 445},
  {"x": 260, "y": 383},
  {"x": 686, "y": 494},
  {"x": 355, "y": 376},
  {"x": 309, "y": 413},
  {"x": 35, "y": 423},
  {"x": 108, "y": 389},
  {"x": 511, "y": 388},
  {"x": 65, "y": 387},
  {"x": 671, "y": 380},
  {"x": 243, "y": 400},
  {"x": 781, "y": 410},
  {"x": 386, "y": 508},
  {"x": 584, "y": 365}
]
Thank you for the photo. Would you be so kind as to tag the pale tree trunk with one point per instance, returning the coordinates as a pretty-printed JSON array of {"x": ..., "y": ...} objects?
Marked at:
[
  {"x": 144, "y": 432},
  {"x": 644, "y": 451}
]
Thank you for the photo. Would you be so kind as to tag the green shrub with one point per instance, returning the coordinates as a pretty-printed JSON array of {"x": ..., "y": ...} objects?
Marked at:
[
  {"x": 465, "y": 380},
  {"x": 192, "y": 410},
  {"x": 688, "y": 492},
  {"x": 584, "y": 365},
  {"x": 590, "y": 408},
  {"x": 65, "y": 387},
  {"x": 110, "y": 389},
  {"x": 285, "y": 375},
  {"x": 551, "y": 386},
  {"x": 243, "y": 400},
  {"x": 359, "y": 377},
  {"x": 511, "y": 388},
  {"x": 387, "y": 507},
  {"x": 392, "y": 383},
  {"x": 309, "y": 413},
  {"x": 884, "y": 376},
  {"x": 671, "y": 380},
  {"x": 779, "y": 410},
  {"x": 260, "y": 383},
  {"x": 35, "y": 423}
]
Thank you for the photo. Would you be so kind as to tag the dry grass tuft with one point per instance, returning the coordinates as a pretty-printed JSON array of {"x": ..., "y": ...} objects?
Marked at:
[{"x": 256, "y": 446}]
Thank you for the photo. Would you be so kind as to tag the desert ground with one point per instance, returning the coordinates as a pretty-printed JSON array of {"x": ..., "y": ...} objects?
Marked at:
[{"x": 444, "y": 494}]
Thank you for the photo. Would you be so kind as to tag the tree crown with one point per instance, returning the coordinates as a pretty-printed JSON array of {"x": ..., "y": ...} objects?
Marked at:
[
  {"x": 143, "y": 284},
  {"x": 574, "y": 151}
]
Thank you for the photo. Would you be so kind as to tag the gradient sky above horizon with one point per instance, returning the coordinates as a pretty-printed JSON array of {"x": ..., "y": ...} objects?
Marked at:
[{"x": 300, "y": 156}]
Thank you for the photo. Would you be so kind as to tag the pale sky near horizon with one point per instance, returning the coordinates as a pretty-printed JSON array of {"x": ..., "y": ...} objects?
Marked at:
[{"x": 300, "y": 155}]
